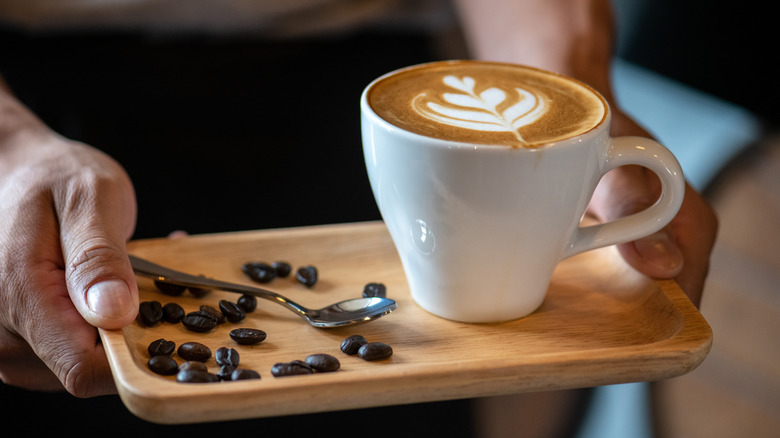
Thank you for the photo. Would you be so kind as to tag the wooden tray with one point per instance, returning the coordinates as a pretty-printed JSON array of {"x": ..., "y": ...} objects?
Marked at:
[{"x": 601, "y": 323}]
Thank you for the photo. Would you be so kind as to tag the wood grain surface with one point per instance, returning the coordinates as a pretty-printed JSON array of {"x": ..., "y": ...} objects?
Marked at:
[{"x": 601, "y": 323}]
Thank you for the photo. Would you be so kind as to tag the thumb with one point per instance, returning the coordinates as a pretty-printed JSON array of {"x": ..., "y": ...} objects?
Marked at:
[
  {"x": 101, "y": 283},
  {"x": 97, "y": 216}
]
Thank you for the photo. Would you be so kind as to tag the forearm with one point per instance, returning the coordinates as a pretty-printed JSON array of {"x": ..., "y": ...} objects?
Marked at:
[
  {"x": 20, "y": 129},
  {"x": 572, "y": 37},
  {"x": 13, "y": 114}
]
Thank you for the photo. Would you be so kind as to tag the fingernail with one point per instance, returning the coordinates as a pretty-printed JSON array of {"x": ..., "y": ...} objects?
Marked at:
[
  {"x": 110, "y": 298},
  {"x": 660, "y": 251},
  {"x": 177, "y": 234}
]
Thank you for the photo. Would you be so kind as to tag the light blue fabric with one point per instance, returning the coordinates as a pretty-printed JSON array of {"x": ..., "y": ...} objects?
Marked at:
[
  {"x": 619, "y": 411},
  {"x": 704, "y": 133}
]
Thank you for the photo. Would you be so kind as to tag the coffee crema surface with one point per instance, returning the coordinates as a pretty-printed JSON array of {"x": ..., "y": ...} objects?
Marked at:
[{"x": 487, "y": 103}]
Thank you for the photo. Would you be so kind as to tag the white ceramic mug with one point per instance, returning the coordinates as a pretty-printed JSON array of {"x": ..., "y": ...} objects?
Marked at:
[{"x": 480, "y": 228}]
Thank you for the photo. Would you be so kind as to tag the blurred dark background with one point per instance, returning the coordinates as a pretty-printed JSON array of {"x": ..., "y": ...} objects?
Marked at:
[{"x": 724, "y": 48}]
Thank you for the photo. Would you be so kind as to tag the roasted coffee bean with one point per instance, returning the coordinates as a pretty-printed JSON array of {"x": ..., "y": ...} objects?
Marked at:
[
  {"x": 218, "y": 316},
  {"x": 374, "y": 290},
  {"x": 293, "y": 368},
  {"x": 375, "y": 351},
  {"x": 247, "y": 303},
  {"x": 232, "y": 312},
  {"x": 226, "y": 372},
  {"x": 194, "y": 351},
  {"x": 169, "y": 288},
  {"x": 163, "y": 365},
  {"x": 301, "y": 363},
  {"x": 198, "y": 292},
  {"x": 150, "y": 312},
  {"x": 196, "y": 376},
  {"x": 199, "y": 321},
  {"x": 173, "y": 313},
  {"x": 259, "y": 271},
  {"x": 227, "y": 356},
  {"x": 247, "y": 336},
  {"x": 352, "y": 344},
  {"x": 323, "y": 363},
  {"x": 161, "y": 347},
  {"x": 244, "y": 374},
  {"x": 307, "y": 275},
  {"x": 282, "y": 268},
  {"x": 193, "y": 365}
]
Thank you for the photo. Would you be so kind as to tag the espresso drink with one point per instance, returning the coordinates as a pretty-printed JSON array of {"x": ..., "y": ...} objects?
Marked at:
[{"x": 487, "y": 103}]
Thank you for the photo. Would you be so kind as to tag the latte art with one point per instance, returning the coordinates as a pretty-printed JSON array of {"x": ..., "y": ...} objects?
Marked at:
[
  {"x": 480, "y": 112},
  {"x": 487, "y": 103}
]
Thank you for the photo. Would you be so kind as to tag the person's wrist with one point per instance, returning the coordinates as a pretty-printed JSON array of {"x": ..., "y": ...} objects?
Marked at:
[{"x": 20, "y": 129}]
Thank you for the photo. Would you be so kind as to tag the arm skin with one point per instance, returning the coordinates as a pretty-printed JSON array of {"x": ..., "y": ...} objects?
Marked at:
[
  {"x": 576, "y": 38},
  {"x": 68, "y": 211}
]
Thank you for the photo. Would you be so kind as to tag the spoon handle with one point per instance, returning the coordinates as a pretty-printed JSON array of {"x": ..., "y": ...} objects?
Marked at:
[{"x": 161, "y": 273}]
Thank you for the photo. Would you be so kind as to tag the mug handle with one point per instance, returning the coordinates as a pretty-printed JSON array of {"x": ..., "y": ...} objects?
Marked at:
[{"x": 652, "y": 155}]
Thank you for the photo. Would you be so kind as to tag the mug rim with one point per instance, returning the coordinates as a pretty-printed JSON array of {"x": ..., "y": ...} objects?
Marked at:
[{"x": 367, "y": 110}]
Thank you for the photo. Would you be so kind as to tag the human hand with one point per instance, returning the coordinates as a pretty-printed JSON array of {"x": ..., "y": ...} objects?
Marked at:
[
  {"x": 682, "y": 249},
  {"x": 68, "y": 210}
]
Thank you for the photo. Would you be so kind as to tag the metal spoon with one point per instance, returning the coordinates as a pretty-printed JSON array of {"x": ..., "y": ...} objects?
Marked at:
[{"x": 341, "y": 314}]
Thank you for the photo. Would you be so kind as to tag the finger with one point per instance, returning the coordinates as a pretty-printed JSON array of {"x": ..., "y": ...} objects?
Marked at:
[
  {"x": 695, "y": 228},
  {"x": 685, "y": 245},
  {"x": 45, "y": 343},
  {"x": 625, "y": 191},
  {"x": 97, "y": 216},
  {"x": 656, "y": 255},
  {"x": 75, "y": 354},
  {"x": 20, "y": 366},
  {"x": 681, "y": 250}
]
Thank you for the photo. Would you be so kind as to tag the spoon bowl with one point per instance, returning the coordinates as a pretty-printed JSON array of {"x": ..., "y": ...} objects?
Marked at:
[{"x": 343, "y": 313}]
